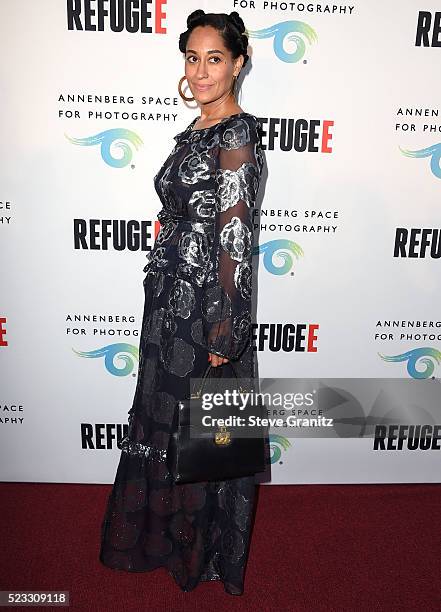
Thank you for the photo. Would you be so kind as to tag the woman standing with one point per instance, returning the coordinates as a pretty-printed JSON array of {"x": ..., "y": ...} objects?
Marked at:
[{"x": 197, "y": 308}]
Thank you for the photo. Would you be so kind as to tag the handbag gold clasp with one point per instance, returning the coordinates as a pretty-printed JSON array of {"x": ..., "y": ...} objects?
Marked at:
[{"x": 222, "y": 436}]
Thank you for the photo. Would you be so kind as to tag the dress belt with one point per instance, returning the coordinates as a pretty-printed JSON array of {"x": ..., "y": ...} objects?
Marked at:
[{"x": 165, "y": 217}]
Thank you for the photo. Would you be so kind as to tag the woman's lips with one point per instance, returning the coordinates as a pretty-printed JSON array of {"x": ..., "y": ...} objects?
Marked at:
[{"x": 202, "y": 87}]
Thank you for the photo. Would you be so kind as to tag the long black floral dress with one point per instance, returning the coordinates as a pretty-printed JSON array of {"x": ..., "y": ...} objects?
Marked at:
[{"x": 197, "y": 300}]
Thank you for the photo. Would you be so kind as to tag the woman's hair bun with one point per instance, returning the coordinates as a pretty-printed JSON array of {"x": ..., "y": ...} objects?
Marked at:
[
  {"x": 237, "y": 21},
  {"x": 194, "y": 16}
]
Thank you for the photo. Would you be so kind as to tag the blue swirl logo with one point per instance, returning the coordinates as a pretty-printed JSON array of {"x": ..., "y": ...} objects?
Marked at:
[
  {"x": 434, "y": 152},
  {"x": 281, "y": 248},
  {"x": 106, "y": 139},
  {"x": 127, "y": 353},
  {"x": 277, "y": 445},
  {"x": 288, "y": 30},
  {"x": 426, "y": 355}
]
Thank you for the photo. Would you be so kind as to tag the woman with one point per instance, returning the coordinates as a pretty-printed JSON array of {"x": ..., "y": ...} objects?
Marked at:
[{"x": 197, "y": 309}]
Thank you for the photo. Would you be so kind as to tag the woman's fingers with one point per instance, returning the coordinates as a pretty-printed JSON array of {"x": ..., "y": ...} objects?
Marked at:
[{"x": 216, "y": 360}]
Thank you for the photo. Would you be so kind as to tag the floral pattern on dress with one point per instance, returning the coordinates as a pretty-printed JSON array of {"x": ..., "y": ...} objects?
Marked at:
[
  {"x": 236, "y": 239},
  {"x": 194, "y": 167},
  {"x": 182, "y": 298},
  {"x": 202, "y": 203},
  {"x": 180, "y": 357},
  {"x": 234, "y": 185},
  {"x": 243, "y": 276},
  {"x": 194, "y": 249},
  {"x": 237, "y": 135},
  {"x": 162, "y": 324}
]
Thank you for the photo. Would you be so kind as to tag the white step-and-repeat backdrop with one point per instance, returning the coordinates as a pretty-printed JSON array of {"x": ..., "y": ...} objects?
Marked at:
[{"x": 349, "y": 227}]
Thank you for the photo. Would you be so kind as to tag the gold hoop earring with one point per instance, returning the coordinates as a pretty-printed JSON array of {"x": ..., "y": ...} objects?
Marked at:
[{"x": 181, "y": 80}]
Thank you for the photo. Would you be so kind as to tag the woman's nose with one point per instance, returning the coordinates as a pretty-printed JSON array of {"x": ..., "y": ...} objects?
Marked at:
[{"x": 202, "y": 70}]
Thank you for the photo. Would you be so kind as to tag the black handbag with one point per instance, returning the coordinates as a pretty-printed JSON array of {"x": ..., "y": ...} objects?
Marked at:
[{"x": 222, "y": 453}]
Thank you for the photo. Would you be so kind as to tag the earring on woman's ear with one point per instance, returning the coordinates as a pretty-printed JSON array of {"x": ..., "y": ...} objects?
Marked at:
[
  {"x": 181, "y": 80},
  {"x": 233, "y": 85}
]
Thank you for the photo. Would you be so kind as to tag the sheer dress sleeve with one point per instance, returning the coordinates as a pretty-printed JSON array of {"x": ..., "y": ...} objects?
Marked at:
[{"x": 226, "y": 305}]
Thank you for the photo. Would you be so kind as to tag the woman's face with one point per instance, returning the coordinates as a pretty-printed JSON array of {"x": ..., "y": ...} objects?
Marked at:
[{"x": 209, "y": 66}]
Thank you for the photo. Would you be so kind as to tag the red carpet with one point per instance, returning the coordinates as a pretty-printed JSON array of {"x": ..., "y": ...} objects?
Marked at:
[{"x": 314, "y": 548}]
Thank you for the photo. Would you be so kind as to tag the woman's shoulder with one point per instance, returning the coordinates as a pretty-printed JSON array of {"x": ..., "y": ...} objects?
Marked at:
[
  {"x": 242, "y": 117},
  {"x": 239, "y": 129}
]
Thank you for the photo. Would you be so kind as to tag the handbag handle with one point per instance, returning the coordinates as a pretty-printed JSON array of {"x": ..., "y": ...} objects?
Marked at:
[{"x": 198, "y": 394}]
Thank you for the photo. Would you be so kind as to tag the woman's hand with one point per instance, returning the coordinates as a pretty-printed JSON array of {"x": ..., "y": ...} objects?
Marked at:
[{"x": 216, "y": 360}]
